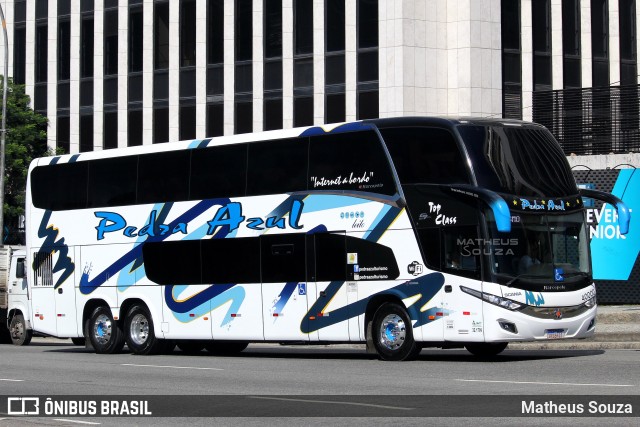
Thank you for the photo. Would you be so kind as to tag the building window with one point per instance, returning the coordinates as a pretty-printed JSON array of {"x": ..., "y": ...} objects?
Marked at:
[
  {"x": 334, "y": 61},
  {"x": 600, "y": 42},
  {"x": 511, "y": 59},
  {"x": 367, "y": 75},
  {"x": 541, "y": 19},
  {"x": 161, "y": 72},
  {"x": 571, "y": 44},
  {"x": 63, "y": 133},
  {"x": 302, "y": 63},
  {"x": 111, "y": 42},
  {"x": 243, "y": 66},
  {"x": 41, "y": 59},
  {"x": 187, "y": 113},
  {"x": 272, "y": 64},
  {"x": 110, "y": 133},
  {"x": 215, "y": 68},
  {"x": 136, "y": 44},
  {"x": 86, "y": 62},
  {"x": 19, "y": 41},
  {"x": 628, "y": 43},
  {"x": 86, "y": 133},
  {"x": 134, "y": 128}
]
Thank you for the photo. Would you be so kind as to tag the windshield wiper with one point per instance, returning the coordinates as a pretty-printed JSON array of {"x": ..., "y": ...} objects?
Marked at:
[{"x": 518, "y": 277}]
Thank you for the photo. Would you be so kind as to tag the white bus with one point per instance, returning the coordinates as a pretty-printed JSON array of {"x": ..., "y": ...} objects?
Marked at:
[{"x": 398, "y": 233}]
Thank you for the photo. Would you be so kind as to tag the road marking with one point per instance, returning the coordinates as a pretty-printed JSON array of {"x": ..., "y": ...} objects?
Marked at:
[
  {"x": 76, "y": 421},
  {"x": 544, "y": 383},
  {"x": 8, "y": 379},
  {"x": 172, "y": 367},
  {"x": 332, "y": 401}
]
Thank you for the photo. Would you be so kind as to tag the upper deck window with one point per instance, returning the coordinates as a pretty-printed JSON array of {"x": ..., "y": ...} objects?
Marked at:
[{"x": 425, "y": 155}]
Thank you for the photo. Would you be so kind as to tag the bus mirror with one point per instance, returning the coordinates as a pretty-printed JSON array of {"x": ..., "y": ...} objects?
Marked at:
[
  {"x": 624, "y": 216},
  {"x": 498, "y": 206}
]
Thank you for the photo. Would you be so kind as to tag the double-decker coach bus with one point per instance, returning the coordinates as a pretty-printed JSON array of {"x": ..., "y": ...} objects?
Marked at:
[{"x": 398, "y": 233}]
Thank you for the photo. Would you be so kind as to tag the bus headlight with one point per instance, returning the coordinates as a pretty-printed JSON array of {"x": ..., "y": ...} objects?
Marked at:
[
  {"x": 590, "y": 303},
  {"x": 493, "y": 299}
]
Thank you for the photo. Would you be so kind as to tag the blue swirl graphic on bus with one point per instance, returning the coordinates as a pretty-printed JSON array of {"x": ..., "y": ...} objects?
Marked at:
[
  {"x": 50, "y": 244},
  {"x": 235, "y": 294}
]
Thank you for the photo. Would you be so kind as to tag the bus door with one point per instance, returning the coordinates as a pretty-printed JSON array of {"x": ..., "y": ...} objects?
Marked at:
[
  {"x": 328, "y": 266},
  {"x": 284, "y": 286},
  {"x": 463, "y": 320},
  {"x": 53, "y": 294}
]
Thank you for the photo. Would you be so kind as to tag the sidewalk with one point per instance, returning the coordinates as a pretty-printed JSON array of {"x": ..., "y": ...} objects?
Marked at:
[{"x": 617, "y": 327}]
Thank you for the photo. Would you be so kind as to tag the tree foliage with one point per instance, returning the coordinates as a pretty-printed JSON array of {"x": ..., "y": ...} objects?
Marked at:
[{"x": 26, "y": 139}]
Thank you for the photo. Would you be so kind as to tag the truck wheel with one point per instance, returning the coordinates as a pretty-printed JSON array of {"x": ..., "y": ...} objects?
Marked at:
[
  {"x": 486, "y": 349},
  {"x": 392, "y": 334},
  {"x": 20, "y": 335},
  {"x": 190, "y": 346},
  {"x": 104, "y": 333},
  {"x": 225, "y": 348},
  {"x": 140, "y": 335}
]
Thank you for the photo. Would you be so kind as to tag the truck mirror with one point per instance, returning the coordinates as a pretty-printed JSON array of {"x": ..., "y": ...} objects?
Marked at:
[{"x": 20, "y": 273}]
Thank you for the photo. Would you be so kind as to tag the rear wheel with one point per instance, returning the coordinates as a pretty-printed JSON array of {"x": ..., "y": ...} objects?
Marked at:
[
  {"x": 104, "y": 333},
  {"x": 223, "y": 348},
  {"x": 486, "y": 349},
  {"x": 191, "y": 346},
  {"x": 392, "y": 333},
  {"x": 140, "y": 335},
  {"x": 18, "y": 331}
]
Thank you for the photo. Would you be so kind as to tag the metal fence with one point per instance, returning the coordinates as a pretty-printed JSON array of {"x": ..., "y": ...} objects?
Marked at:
[{"x": 593, "y": 120}]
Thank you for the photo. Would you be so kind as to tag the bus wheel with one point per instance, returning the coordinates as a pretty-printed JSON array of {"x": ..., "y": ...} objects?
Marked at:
[
  {"x": 104, "y": 333},
  {"x": 140, "y": 335},
  {"x": 191, "y": 346},
  {"x": 486, "y": 349},
  {"x": 392, "y": 334},
  {"x": 20, "y": 335},
  {"x": 223, "y": 348}
]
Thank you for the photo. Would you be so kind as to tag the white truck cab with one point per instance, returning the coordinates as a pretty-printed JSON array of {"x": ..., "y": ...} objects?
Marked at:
[{"x": 15, "y": 309}]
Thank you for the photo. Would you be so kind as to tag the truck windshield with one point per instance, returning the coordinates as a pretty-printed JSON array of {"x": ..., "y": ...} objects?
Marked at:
[{"x": 542, "y": 252}]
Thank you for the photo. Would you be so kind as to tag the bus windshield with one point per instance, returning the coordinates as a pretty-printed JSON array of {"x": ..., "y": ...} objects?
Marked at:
[{"x": 542, "y": 252}]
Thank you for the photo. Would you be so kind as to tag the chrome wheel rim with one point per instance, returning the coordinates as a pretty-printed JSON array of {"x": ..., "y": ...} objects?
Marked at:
[
  {"x": 393, "y": 332},
  {"x": 17, "y": 330},
  {"x": 102, "y": 328},
  {"x": 139, "y": 329}
]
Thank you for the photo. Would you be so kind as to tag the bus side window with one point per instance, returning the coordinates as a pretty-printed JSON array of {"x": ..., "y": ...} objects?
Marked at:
[
  {"x": 462, "y": 251},
  {"x": 431, "y": 247}
]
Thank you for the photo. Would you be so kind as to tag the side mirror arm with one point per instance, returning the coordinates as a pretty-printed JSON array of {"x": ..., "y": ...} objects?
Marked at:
[{"x": 624, "y": 216}]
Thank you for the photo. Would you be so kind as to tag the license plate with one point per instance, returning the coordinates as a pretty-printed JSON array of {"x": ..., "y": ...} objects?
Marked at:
[{"x": 555, "y": 334}]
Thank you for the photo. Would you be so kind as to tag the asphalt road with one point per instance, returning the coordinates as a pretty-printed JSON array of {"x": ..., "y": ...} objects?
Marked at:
[{"x": 50, "y": 367}]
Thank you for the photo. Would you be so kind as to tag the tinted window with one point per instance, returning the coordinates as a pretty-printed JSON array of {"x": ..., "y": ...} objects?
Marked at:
[
  {"x": 163, "y": 177},
  {"x": 430, "y": 241},
  {"x": 374, "y": 261},
  {"x": 331, "y": 257},
  {"x": 425, "y": 155},
  {"x": 283, "y": 258},
  {"x": 173, "y": 263},
  {"x": 112, "y": 182},
  {"x": 277, "y": 167},
  {"x": 231, "y": 260},
  {"x": 218, "y": 172},
  {"x": 59, "y": 187},
  {"x": 349, "y": 161}
]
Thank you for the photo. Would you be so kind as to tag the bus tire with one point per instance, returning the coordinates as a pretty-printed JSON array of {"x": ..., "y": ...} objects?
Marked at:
[
  {"x": 190, "y": 346},
  {"x": 486, "y": 349},
  {"x": 139, "y": 332},
  {"x": 392, "y": 333},
  {"x": 18, "y": 331},
  {"x": 225, "y": 348},
  {"x": 104, "y": 333}
]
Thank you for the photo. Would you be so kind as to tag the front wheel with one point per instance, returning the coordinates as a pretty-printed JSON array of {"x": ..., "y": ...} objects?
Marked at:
[
  {"x": 392, "y": 333},
  {"x": 139, "y": 331},
  {"x": 18, "y": 331},
  {"x": 104, "y": 333},
  {"x": 486, "y": 349}
]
